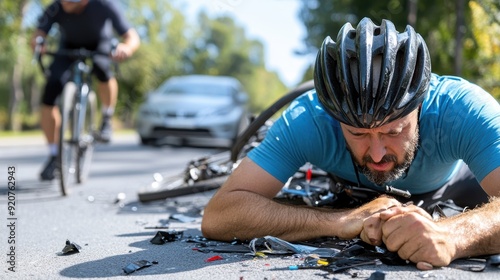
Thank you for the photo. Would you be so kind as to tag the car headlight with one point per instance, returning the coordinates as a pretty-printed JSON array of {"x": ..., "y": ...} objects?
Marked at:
[
  {"x": 148, "y": 112},
  {"x": 215, "y": 111}
]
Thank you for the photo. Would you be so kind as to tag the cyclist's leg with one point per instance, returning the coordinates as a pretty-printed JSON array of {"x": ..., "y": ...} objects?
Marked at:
[
  {"x": 108, "y": 94},
  {"x": 50, "y": 116},
  {"x": 463, "y": 189}
]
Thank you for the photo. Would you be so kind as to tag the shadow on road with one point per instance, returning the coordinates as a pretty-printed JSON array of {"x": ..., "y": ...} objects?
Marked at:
[
  {"x": 33, "y": 191},
  {"x": 172, "y": 257}
]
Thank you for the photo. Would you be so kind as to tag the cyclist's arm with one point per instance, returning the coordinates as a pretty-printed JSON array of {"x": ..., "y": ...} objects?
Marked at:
[
  {"x": 243, "y": 208},
  {"x": 130, "y": 43},
  {"x": 37, "y": 33}
]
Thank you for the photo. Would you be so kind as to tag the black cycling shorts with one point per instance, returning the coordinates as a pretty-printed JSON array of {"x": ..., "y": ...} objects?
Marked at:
[{"x": 60, "y": 73}]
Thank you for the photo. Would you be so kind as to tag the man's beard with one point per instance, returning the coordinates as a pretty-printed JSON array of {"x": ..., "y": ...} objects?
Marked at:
[{"x": 380, "y": 177}]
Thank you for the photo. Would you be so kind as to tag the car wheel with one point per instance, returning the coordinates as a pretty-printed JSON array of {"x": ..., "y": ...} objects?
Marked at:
[{"x": 147, "y": 140}]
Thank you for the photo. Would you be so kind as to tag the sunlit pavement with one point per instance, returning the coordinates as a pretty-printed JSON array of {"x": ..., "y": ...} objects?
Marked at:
[{"x": 114, "y": 230}]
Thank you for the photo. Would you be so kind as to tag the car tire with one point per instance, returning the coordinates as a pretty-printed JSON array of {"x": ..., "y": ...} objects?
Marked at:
[{"x": 147, "y": 140}]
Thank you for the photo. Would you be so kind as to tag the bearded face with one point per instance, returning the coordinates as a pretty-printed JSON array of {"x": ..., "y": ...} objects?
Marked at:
[
  {"x": 383, "y": 154},
  {"x": 381, "y": 177}
]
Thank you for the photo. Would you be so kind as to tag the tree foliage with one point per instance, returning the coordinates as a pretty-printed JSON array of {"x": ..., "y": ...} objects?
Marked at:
[
  {"x": 170, "y": 46},
  {"x": 452, "y": 36}
]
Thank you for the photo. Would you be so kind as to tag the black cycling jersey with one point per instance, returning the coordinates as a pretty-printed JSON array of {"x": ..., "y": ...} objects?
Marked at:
[{"x": 92, "y": 29}]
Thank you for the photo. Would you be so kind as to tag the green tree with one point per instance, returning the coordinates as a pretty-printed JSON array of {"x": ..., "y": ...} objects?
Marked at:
[
  {"x": 220, "y": 47},
  {"x": 434, "y": 20},
  {"x": 163, "y": 43},
  {"x": 486, "y": 29},
  {"x": 170, "y": 45},
  {"x": 11, "y": 14}
]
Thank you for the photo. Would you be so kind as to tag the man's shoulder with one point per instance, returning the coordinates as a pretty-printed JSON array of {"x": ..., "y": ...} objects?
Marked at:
[{"x": 103, "y": 3}]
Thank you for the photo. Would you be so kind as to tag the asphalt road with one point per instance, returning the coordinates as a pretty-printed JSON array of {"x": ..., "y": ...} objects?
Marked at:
[{"x": 104, "y": 217}]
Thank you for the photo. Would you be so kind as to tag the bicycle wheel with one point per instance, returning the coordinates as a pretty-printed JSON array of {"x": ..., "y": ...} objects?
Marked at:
[
  {"x": 86, "y": 139},
  {"x": 264, "y": 116},
  {"x": 176, "y": 186},
  {"x": 67, "y": 148},
  {"x": 200, "y": 175}
]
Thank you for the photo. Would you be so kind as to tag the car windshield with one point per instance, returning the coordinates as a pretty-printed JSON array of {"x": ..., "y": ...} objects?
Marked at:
[{"x": 211, "y": 89}]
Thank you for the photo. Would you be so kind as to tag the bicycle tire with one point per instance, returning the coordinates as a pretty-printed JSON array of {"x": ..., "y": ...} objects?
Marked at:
[
  {"x": 265, "y": 115},
  {"x": 67, "y": 149},
  {"x": 86, "y": 141},
  {"x": 177, "y": 187}
]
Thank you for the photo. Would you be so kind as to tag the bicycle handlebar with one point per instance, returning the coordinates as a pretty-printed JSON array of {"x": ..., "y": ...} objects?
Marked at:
[{"x": 78, "y": 54}]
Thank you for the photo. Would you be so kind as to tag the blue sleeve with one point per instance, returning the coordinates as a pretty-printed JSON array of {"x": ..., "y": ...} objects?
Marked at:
[
  {"x": 470, "y": 121},
  {"x": 294, "y": 139}
]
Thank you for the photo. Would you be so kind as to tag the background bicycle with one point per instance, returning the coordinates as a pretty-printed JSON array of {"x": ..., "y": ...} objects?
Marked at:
[{"x": 78, "y": 108}]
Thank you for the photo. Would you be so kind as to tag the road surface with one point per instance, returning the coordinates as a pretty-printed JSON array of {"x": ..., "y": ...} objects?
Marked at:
[{"x": 103, "y": 216}]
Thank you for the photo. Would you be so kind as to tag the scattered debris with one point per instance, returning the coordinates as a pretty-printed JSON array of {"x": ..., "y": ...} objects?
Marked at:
[
  {"x": 71, "y": 248},
  {"x": 136, "y": 266},
  {"x": 120, "y": 197},
  {"x": 214, "y": 258},
  {"x": 183, "y": 218},
  {"x": 494, "y": 260},
  {"x": 276, "y": 246},
  {"x": 163, "y": 237},
  {"x": 377, "y": 275}
]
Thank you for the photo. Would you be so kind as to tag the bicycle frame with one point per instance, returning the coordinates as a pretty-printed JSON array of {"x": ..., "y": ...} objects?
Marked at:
[
  {"x": 82, "y": 79},
  {"x": 78, "y": 109}
]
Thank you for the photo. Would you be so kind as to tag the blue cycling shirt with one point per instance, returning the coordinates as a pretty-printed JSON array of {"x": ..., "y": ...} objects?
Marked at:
[{"x": 459, "y": 123}]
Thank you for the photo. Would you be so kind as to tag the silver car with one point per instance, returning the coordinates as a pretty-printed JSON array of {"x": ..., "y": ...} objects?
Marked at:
[{"x": 194, "y": 109}]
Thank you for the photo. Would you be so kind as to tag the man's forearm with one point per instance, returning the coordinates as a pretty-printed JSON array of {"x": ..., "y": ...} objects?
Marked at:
[
  {"x": 250, "y": 215},
  {"x": 476, "y": 232}
]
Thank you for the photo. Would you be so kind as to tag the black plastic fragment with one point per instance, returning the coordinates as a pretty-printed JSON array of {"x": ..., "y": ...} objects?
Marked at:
[
  {"x": 71, "y": 248},
  {"x": 494, "y": 260},
  {"x": 377, "y": 275},
  {"x": 163, "y": 237},
  {"x": 136, "y": 266}
]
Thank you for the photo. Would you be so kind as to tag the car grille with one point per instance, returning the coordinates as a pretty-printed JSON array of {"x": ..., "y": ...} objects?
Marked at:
[
  {"x": 179, "y": 114},
  {"x": 182, "y": 132}
]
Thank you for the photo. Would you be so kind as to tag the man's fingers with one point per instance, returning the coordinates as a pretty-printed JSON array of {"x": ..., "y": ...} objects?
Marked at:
[
  {"x": 393, "y": 211},
  {"x": 424, "y": 266},
  {"x": 372, "y": 230}
]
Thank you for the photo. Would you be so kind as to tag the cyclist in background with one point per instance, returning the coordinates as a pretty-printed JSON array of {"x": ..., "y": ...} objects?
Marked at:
[{"x": 88, "y": 24}]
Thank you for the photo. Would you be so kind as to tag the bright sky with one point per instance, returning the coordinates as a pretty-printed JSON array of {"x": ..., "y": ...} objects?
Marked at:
[{"x": 275, "y": 23}]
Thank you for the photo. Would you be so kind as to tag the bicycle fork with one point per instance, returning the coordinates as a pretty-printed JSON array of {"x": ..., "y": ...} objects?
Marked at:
[{"x": 79, "y": 113}]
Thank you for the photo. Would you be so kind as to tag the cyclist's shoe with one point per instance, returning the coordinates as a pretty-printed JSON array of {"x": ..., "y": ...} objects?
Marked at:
[
  {"x": 106, "y": 130},
  {"x": 49, "y": 171}
]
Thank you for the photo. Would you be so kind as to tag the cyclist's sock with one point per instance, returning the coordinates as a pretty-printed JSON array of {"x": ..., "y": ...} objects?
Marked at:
[
  {"x": 53, "y": 149},
  {"x": 106, "y": 129},
  {"x": 107, "y": 111}
]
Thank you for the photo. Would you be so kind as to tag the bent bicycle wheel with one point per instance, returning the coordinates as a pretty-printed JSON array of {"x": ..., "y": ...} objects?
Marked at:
[
  {"x": 245, "y": 137},
  {"x": 67, "y": 148},
  {"x": 176, "y": 186},
  {"x": 86, "y": 139}
]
